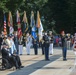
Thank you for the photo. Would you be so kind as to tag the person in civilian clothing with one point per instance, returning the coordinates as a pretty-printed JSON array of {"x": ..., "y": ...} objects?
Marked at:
[
  {"x": 12, "y": 58},
  {"x": 8, "y": 42},
  {"x": 13, "y": 47}
]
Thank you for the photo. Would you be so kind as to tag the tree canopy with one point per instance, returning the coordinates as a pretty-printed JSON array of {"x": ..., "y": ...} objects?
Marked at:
[{"x": 55, "y": 14}]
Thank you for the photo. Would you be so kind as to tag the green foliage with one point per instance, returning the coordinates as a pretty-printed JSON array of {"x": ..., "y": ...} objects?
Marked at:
[{"x": 63, "y": 12}]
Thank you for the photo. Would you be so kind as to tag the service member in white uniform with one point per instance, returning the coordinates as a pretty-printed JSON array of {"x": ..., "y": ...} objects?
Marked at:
[
  {"x": 51, "y": 43},
  {"x": 28, "y": 43}
]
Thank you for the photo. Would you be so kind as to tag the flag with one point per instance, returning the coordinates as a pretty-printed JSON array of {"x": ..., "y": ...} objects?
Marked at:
[
  {"x": 40, "y": 27},
  {"x": 38, "y": 20},
  {"x": 5, "y": 30},
  {"x": 18, "y": 23},
  {"x": 32, "y": 19},
  {"x": 33, "y": 30},
  {"x": 40, "y": 30},
  {"x": 25, "y": 23},
  {"x": 10, "y": 23}
]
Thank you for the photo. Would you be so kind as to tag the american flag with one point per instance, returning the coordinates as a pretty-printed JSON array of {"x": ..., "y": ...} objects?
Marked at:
[
  {"x": 19, "y": 25},
  {"x": 5, "y": 31}
]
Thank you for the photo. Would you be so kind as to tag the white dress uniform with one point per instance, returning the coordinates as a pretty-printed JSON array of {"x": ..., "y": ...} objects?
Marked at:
[
  {"x": 68, "y": 42},
  {"x": 74, "y": 48},
  {"x": 20, "y": 46},
  {"x": 28, "y": 44},
  {"x": 51, "y": 45}
]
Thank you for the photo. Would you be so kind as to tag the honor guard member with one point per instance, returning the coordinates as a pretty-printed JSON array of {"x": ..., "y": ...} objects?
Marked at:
[
  {"x": 1, "y": 39},
  {"x": 64, "y": 45},
  {"x": 35, "y": 45},
  {"x": 42, "y": 45},
  {"x": 16, "y": 41},
  {"x": 20, "y": 45},
  {"x": 51, "y": 43},
  {"x": 46, "y": 46},
  {"x": 28, "y": 43},
  {"x": 68, "y": 41}
]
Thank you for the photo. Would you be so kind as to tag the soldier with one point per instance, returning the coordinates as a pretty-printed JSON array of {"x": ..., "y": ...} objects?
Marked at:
[
  {"x": 1, "y": 39},
  {"x": 42, "y": 45},
  {"x": 20, "y": 45},
  {"x": 16, "y": 41},
  {"x": 68, "y": 41},
  {"x": 64, "y": 45},
  {"x": 28, "y": 43},
  {"x": 46, "y": 46},
  {"x": 51, "y": 43},
  {"x": 35, "y": 45}
]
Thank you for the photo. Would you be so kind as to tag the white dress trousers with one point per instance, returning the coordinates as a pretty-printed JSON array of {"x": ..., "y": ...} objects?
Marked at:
[{"x": 51, "y": 48}]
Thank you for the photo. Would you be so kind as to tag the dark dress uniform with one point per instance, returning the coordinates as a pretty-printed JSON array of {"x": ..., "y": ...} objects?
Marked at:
[
  {"x": 1, "y": 39},
  {"x": 42, "y": 46},
  {"x": 46, "y": 46},
  {"x": 35, "y": 45},
  {"x": 16, "y": 42},
  {"x": 64, "y": 46}
]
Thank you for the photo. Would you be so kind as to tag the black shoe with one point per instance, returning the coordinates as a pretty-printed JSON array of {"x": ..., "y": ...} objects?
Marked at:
[
  {"x": 28, "y": 54},
  {"x": 18, "y": 68},
  {"x": 21, "y": 66},
  {"x": 51, "y": 54},
  {"x": 9, "y": 67},
  {"x": 64, "y": 59},
  {"x": 47, "y": 59}
]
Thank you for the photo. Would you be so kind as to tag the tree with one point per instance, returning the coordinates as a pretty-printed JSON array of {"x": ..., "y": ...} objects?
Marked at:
[{"x": 61, "y": 11}]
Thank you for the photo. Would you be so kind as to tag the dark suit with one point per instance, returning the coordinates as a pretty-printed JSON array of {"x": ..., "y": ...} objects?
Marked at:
[
  {"x": 13, "y": 60},
  {"x": 5, "y": 54}
]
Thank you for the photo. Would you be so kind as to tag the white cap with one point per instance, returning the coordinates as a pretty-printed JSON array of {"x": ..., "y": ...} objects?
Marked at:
[{"x": 45, "y": 33}]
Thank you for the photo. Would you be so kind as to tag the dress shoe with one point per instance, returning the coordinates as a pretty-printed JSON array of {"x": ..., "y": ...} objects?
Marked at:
[
  {"x": 47, "y": 59},
  {"x": 18, "y": 68},
  {"x": 64, "y": 59},
  {"x": 21, "y": 66},
  {"x": 28, "y": 54}
]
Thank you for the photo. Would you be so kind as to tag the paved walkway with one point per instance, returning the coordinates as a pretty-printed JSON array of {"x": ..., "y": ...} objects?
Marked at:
[{"x": 36, "y": 65}]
